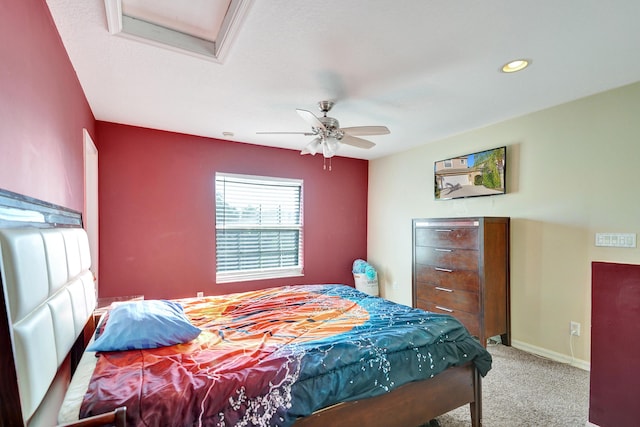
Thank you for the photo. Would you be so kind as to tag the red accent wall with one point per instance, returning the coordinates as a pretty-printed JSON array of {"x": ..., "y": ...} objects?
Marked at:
[
  {"x": 42, "y": 108},
  {"x": 157, "y": 211},
  {"x": 615, "y": 344}
]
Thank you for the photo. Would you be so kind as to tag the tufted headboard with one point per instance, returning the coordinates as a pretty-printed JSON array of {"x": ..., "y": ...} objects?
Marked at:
[{"x": 48, "y": 296}]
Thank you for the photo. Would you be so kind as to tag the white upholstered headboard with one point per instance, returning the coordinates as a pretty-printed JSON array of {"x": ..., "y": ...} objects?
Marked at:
[{"x": 49, "y": 294}]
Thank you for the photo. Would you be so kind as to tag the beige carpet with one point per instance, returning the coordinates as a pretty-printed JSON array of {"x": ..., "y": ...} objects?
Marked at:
[{"x": 526, "y": 390}]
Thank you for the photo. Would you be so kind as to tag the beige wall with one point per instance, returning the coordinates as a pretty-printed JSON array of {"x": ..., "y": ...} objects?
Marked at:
[{"x": 572, "y": 171}]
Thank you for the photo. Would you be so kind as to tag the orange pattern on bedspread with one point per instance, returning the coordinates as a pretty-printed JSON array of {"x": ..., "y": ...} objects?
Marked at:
[{"x": 247, "y": 319}]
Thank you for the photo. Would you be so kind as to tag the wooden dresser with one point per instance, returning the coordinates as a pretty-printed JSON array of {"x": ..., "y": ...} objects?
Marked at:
[{"x": 461, "y": 267}]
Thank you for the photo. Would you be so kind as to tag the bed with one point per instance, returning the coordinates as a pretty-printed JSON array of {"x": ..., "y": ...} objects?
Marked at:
[{"x": 304, "y": 371}]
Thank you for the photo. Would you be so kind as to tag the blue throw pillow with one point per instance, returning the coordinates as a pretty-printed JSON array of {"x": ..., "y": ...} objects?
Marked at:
[{"x": 145, "y": 324}]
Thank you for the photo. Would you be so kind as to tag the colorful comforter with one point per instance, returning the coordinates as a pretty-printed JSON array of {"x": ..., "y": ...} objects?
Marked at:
[{"x": 267, "y": 357}]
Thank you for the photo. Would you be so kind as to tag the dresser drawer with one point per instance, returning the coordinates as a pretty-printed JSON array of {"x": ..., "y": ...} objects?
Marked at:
[
  {"x": 459, "y": 259},
  {"x": 447, "y": 237},
  {"x": 447, "y": 278},
  {"x": 450, "y": 298},
  {"x": 470, "y": 321}
]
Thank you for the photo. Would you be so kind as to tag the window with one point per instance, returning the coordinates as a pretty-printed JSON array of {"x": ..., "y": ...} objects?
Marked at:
[
  {"x": 258, "y": 227},
  {"x": 448, "y": 163}
]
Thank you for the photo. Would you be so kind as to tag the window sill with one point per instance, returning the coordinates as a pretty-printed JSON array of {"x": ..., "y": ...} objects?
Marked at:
[{"x": 261, "y": 275}]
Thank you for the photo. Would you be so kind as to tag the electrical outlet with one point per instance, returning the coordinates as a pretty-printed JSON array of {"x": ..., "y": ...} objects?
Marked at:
[
  {"x": 200, "y": 294},
  {"x": 575, "y": 329}
]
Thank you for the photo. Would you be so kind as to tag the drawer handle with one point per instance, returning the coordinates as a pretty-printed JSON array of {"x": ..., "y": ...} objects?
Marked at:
[
  {"x": 446, "y": 270},
  {"x": 444, "y": 231},
  {"x": 443, "y": 289},
  {"x": 448, "y": 310},
  {"x": 443, "y": 250}
]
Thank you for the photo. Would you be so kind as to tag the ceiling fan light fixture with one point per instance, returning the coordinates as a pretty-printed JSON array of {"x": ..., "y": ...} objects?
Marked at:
[
  {"x": 328, "y": 134},
  {"x": 313, "y": 147},
  {"x": 330, "y": 147},
  {"x": 515, "y": 65}
]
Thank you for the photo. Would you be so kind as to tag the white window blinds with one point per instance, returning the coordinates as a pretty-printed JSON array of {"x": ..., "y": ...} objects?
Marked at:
[{"x": 258, "y": 227}]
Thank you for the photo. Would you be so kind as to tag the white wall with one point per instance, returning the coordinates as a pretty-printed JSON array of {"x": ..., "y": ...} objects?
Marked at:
[{"x": 573, "y": 170}]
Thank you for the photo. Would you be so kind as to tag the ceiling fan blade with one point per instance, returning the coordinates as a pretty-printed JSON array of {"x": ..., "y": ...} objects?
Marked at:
[
  {"x": 366, "y": 130},
  {"x": 356, "y": 142},
  {"x": 285, "y": 133},
  {"x": 310, "y": 118}
]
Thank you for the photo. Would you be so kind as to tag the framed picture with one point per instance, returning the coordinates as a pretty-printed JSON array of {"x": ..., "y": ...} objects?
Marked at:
[{"x": 471, "y": 175}]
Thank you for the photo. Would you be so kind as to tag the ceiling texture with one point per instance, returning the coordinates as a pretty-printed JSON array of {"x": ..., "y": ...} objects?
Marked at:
[{"x": 426, "y": 69}]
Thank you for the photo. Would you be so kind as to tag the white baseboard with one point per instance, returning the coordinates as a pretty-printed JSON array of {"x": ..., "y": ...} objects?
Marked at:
[
  {"x": 588, "y": 424},
  {"x": 558, "y": 357}
]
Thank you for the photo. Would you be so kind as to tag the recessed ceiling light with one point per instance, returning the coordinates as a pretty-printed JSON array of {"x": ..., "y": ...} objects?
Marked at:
[
  {"x": 516, "y": 65},
  {"x": 227, "y": 133}
]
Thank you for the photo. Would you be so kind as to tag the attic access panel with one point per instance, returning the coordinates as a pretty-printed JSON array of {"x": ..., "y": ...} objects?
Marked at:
[{"x": 205, "y": 29}]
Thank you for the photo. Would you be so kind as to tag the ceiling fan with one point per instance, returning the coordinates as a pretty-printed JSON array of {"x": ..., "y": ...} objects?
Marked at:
[{"x": 329, "y": 135}]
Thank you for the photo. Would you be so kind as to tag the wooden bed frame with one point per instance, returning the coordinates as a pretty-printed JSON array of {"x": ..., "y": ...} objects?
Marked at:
[{"x": 413, "y": 404}]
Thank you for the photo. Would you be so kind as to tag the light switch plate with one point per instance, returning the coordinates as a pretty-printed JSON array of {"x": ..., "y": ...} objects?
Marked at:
[{"x": 616, "y": 240}]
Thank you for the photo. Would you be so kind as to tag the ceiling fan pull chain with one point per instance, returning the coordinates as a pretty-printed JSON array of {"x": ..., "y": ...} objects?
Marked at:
[{"x": 324, "y": 165}]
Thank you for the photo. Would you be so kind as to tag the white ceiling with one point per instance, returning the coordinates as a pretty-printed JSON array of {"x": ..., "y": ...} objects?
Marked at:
[{"x": 426, "y": 69}]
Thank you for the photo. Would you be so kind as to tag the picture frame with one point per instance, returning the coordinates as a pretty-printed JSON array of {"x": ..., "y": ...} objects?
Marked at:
[{"x": 481, "y": 173}]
